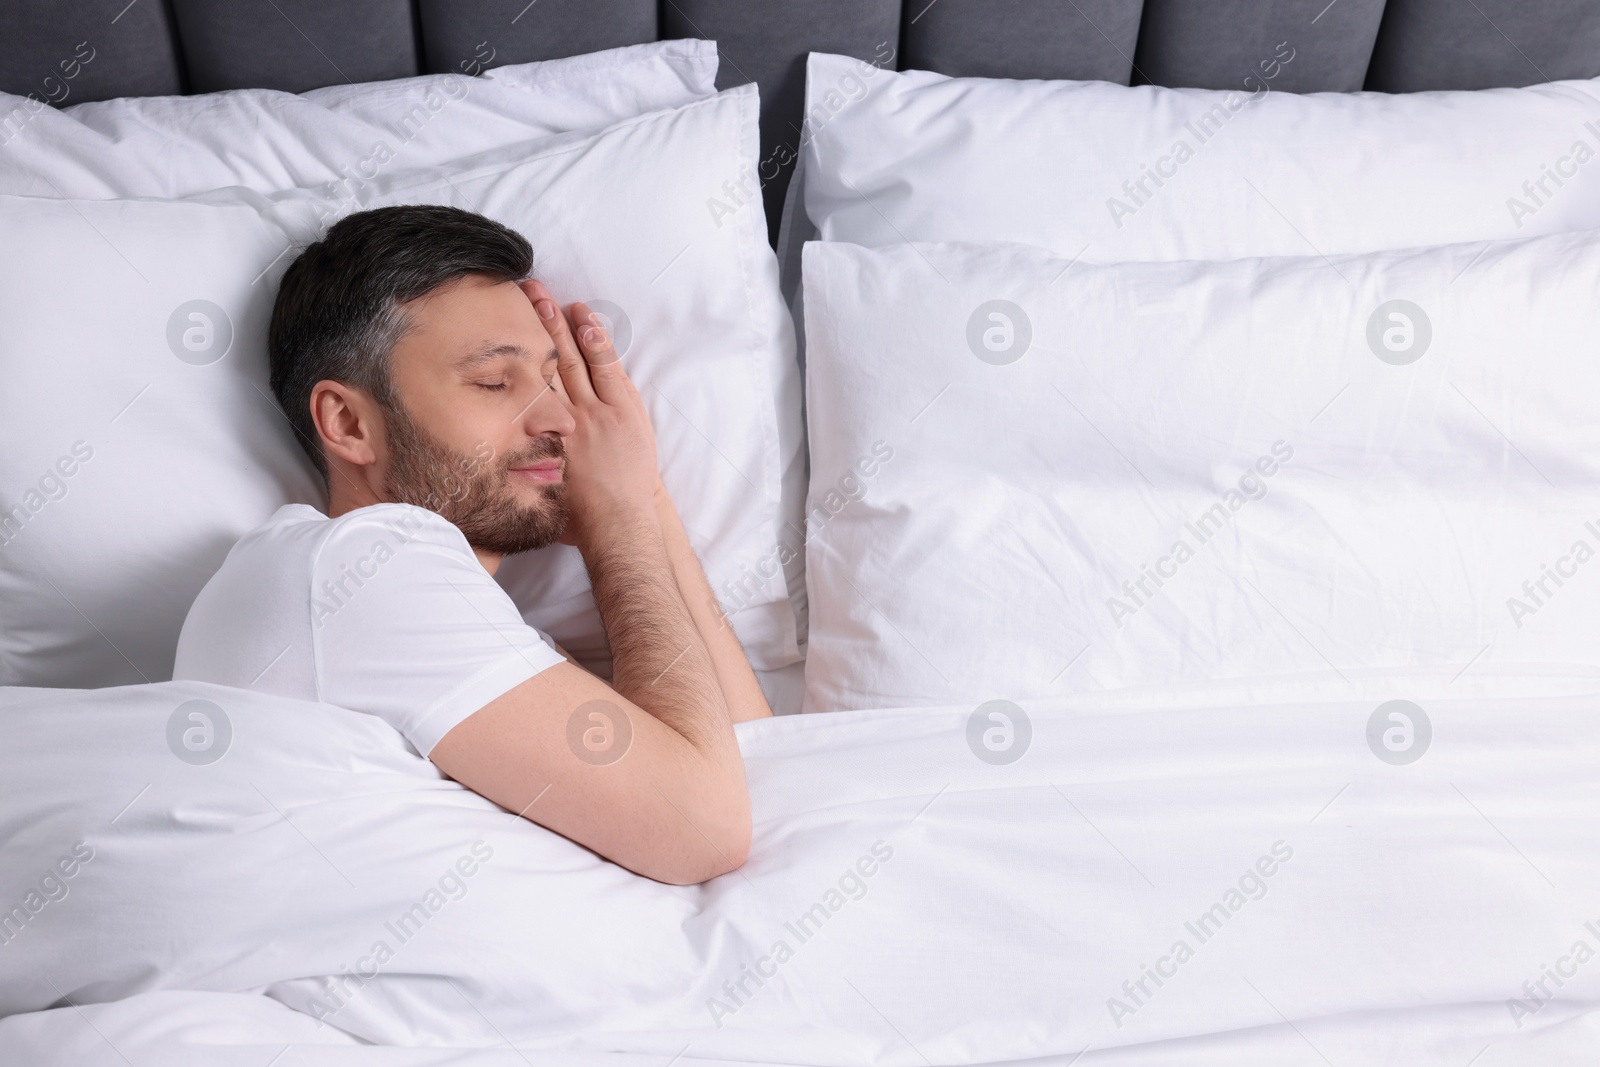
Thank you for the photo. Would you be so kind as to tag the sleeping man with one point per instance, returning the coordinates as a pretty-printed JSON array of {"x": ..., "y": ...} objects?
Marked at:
[{"x": 458, "y": 415}]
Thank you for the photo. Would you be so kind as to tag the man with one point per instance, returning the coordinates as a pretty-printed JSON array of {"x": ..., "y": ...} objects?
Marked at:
[{"x": 458, "y": 416}]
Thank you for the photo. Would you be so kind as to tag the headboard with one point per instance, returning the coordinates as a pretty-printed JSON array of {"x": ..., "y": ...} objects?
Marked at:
[{"x": 151, "y": 47}]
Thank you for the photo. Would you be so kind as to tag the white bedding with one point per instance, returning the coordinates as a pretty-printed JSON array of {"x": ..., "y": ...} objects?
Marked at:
[
  {"x": 1016, "y": 900},
  {"x": 227, "y": 1029}
]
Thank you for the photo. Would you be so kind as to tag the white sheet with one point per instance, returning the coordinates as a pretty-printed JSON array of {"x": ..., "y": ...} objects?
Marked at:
[
  {"x": 224, "y": 1029},
  {"x": 1018, "y": 898}
]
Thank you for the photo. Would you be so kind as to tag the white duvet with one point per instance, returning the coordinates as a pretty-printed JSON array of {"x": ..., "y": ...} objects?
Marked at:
[{"x": 1228, "y": 884}]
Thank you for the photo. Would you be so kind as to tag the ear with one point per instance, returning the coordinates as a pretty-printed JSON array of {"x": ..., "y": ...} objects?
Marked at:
[{"x": 349, "y": 422}]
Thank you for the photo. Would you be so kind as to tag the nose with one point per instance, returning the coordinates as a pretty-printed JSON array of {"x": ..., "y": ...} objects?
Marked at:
[{"x": 549, "y": 414}]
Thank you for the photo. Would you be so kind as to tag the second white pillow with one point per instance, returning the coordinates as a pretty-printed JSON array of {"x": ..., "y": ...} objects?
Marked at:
[
  {"x": 1108, "y": 173},
  {"x": 1031, "y": 476},
  {"x": 340, "y": 138}
]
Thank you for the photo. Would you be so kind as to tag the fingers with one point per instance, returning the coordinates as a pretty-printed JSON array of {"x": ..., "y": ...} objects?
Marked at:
[
  {"x": 609, "y": 380},
  {"x": 571, "y": 366}
]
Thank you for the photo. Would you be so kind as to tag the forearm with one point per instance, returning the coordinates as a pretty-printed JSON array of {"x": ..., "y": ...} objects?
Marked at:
[
  {"x": 659, "y": 659},
  {"x": 740, "y": 689}
]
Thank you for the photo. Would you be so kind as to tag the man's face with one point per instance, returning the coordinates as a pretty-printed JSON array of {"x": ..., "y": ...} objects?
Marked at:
[{"x": 479, "y": 436}]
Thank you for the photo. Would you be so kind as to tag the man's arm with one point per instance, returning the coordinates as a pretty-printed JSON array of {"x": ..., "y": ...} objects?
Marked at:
[
  {"x": 646, "y": 772},
  {"x": 740, "y": 689},
  {"x": 658, "y": 659}
]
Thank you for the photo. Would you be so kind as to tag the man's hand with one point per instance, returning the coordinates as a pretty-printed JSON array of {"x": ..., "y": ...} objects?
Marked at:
[
  {"x": 621, "y": 421},
  {"x": 671, "y": 802},
  {"x": 611, "y": 470}
]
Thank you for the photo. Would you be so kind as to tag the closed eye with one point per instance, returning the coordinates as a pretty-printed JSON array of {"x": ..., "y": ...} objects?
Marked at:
[{"x": 494, "y": 387}]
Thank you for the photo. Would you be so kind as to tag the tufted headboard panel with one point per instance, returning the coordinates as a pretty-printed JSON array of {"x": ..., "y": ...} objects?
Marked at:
[{"x": 68, "y": 53}]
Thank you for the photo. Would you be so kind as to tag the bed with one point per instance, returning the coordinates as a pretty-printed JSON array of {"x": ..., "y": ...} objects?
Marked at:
[{"x": 1146, "y": 450}]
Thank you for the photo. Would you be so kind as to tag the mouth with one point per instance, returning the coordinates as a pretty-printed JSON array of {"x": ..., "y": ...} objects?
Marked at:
[{"x": 545, "y": 471}]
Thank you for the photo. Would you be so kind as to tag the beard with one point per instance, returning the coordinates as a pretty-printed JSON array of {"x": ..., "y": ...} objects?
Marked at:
[{"x": 472, "y": 491}]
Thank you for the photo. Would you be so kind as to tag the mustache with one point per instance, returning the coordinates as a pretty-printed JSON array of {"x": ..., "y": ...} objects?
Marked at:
[{"x": 542, "y": 449}]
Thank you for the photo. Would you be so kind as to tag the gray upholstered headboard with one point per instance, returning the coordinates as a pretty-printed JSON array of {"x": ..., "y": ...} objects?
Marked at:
[{"x": 148, "y": 47}]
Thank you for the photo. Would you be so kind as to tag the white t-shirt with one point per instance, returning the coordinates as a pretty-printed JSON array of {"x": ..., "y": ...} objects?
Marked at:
[{"x": 383, "y": 610}]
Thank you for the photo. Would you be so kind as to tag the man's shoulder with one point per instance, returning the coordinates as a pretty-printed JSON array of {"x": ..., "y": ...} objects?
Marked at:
[
  {"x": 384, "y": 531},
  {"x": 406, "y": 521},
  {"x": 300, "y": 530},
  {"x": 398, "y": 522}
]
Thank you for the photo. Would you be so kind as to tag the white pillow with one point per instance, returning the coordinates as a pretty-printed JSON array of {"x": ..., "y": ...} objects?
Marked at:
[
  {"x": 97, "y": 583},
  {"x": 129, "y": 464},
  {"x": 1364, "y": 459},
  {"x": 640, "y": 217},
  {"x": 340, "y": 137},
  {"x": 1108, "y": 173}
]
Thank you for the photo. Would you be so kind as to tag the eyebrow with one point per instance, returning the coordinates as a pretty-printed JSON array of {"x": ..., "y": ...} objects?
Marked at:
[{"x": 491, "y": 351}]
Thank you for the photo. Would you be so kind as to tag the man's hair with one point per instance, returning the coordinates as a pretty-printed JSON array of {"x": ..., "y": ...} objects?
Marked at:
[{"x": 338, "y": 314}]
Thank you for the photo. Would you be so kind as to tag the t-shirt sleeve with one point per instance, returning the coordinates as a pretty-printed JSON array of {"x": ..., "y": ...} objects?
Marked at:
[{"x": 407, "y": 625}]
